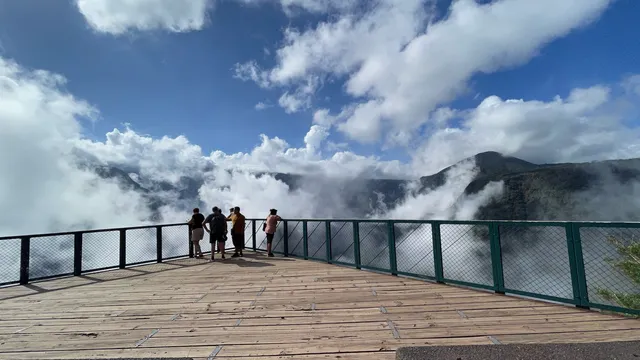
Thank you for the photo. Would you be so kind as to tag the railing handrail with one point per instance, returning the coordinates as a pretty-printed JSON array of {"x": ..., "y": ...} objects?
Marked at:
[
  {"x": 628, "y": 224},
  {"x": 390, "y": 236}
]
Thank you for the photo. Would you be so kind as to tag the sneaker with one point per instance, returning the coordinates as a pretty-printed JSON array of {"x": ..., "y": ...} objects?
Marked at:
[{"x": 270, "y": 255}]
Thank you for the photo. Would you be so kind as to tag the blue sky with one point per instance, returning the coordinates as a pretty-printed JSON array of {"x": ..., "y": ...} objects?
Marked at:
[{"x": 166, "y": 83}]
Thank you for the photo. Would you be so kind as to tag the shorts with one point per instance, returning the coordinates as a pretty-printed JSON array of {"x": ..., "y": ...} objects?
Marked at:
[
  {"x": 270, "y": 238},
  {"x": 213, "y": 237},
  {"x": 238, "y": 240},
  {"x": 197, "y": 234}
]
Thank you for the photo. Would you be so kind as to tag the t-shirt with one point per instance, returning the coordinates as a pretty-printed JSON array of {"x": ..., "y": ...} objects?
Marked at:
[
  {"x": 237, "y": 223},
  {"x": 272, "y": 222},
  {"x": 196, "y": 221}
]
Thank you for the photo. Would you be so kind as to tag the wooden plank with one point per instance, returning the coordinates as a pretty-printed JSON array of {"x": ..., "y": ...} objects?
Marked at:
[{"x": 293, "y": 309}]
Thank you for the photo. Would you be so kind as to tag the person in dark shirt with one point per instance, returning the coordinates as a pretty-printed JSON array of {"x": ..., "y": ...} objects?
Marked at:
[
  {"x": 218, "y": 224},
  {"x": 197, "y": 232},
  {"x": 214, "y": 244}
]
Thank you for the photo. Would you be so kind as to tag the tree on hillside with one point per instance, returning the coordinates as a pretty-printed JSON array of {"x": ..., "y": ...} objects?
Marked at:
[{"x": 629, "y": 264}]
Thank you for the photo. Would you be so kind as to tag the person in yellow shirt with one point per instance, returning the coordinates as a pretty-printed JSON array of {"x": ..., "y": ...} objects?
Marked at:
[{"x": 237, "y": 230}]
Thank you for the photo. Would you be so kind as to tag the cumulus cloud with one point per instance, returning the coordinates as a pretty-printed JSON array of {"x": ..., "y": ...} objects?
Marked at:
[
  {"x": 39, "y": 174},
  {"x": 400, "y": 62},
  {"x": 276, "y": 155},
  {"x": 584, "y": 126},
  {"x": 41, "y": 125},
  {"x": 118, "y": 17}
]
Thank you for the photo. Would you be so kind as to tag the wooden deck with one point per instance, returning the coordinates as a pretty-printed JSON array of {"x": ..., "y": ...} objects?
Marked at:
[{"x": 281, "y": 307}]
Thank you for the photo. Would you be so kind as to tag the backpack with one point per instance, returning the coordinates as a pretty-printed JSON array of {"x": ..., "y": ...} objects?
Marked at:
[{"x": 217, "y": 223}]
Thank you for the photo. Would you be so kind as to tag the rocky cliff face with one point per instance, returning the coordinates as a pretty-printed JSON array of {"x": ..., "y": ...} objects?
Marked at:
[{"x": 606, "y": 191}]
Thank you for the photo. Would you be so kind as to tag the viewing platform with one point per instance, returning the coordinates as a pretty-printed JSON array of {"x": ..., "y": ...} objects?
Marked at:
[{"x": 137, "y": 293}]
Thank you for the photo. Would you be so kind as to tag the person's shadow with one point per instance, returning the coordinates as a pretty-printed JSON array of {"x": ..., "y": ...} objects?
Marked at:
[{"x": 249, "y": 263}]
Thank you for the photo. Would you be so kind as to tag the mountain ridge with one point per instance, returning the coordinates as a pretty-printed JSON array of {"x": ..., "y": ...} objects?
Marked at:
[{"x": 530, "y": 191}]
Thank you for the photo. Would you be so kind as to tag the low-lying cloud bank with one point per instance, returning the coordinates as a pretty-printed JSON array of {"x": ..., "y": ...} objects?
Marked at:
[{"x": 43, "y": 167}]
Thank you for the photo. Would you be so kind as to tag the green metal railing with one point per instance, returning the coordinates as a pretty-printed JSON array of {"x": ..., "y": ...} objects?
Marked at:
[
  {"x": 578, "y": 263},
  {"x": 586, "y": 264}
]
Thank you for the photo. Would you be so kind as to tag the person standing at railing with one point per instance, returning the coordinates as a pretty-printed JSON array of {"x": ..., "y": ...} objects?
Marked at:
[
  {"x": 270, "y": 225},
  {"x": 218, "y": 224},
  {"x": 237, "y": 230},
  {"x": 197, "y": 232}
]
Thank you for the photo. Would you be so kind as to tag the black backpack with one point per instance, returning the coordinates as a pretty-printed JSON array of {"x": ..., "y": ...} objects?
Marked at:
[{"x": 217, "y": 223}]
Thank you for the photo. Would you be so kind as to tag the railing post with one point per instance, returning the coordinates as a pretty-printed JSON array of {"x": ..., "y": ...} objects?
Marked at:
[
  {"x": 77, "y": 254},
  {"x": 25, "y": 254},
  {"x": 190, "y": 243},
  {"x": 286, "y": 238},
  {"x": 253, "y": 239},
  {"x": 356, "y": 244},
  {"x": 496, "y": 258},
  {"x": 305, "y": 240},
  {"x": 576, "y": 263},
  {"x": 437, "y": 251},
  {"x": 159, "y": 243},
  {"x": 393, "y": 263},
  {"x": 123, "y": 248},
  {"x": 328, "y": 242}
]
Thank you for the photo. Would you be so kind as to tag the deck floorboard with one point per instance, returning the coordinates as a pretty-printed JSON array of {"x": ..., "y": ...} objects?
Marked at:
[{"x": 279, "y": 307}]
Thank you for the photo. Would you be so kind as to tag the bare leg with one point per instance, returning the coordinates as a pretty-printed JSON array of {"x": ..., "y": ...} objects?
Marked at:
[
  {"x": 221, "y": 247},
  {"x": 198, "y": 249}
]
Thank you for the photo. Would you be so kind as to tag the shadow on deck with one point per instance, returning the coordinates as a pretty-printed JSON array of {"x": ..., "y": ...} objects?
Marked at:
[{"x": 279, "y": 307}]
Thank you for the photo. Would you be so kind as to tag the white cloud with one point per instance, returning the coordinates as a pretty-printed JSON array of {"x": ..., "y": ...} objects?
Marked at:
[
  {"x": 250, "y": 71},
  {"x": 118, "y": 17},
  {"x": 41, "y": 126},
  {"x": 39, "y": 176},
  {"x": 333, "y": 146},
  {"x": 292, "y": 103},
  {"x": 165, "y": 159},
  {"x": 398, "y": 72},
  {"x": 631, "y": 84},
  {"x": 585, "y": 126},
  {"x": 293, "y": 7},
  {"x": 263, "y": 105}
]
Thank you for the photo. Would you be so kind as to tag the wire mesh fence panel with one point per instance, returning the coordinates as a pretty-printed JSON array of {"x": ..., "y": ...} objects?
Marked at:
[
  {"x": 317, "y": 239},
  {"x": 535, "y": 259},
  {"x": 295, "y": 238},
  {"x": 374, "y": 245},
  {"x": 141, "y": 245},
  {"x": 278, "y": 239},
  {"x": 261, "y": 236},
  {"x": 466, "y": 253},
  {"x": 414, "y": 249},
  {"x": 342, "y": 241},
  {"x": 100, "y": 250},
  {"x": 175, "y": 241},
  {"x": 51, "y": 256},
  {"x": 248, "y": 234},
  {"x": 10, "y": 264},
  {"x": 612, "y": 265}
]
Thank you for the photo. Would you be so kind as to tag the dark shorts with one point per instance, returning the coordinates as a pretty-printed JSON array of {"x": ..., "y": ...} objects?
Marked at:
[
  {"x": 270, "y": 238},
  {"x": 238, "y": 240},
  {"x": 216, "y": 237}
]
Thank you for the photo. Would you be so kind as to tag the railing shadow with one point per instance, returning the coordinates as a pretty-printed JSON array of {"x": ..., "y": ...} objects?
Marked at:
[{"x": 131, "y": 273}]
